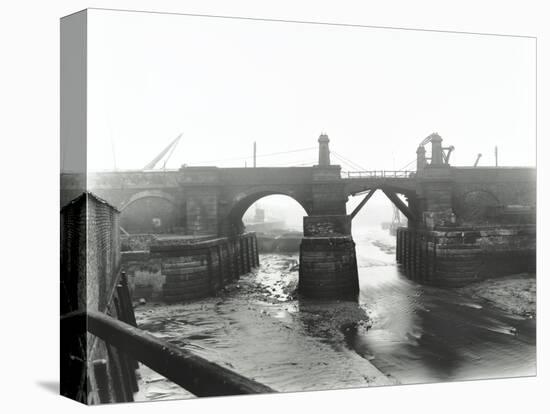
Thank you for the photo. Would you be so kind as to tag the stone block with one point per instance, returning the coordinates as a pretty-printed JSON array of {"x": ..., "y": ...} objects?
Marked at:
[
  {"x": 328, "y": 268},
  {"x": 327, "y": 226}
]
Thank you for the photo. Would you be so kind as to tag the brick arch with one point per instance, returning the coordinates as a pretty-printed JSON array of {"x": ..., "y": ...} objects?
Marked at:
[{"x": 147, "y": 194}]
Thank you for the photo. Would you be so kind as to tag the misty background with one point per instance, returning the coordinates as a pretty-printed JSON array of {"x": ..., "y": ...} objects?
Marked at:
[{"x": 226, "y": 83}]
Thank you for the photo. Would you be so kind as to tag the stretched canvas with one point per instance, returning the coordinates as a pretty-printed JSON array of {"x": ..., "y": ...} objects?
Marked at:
[{"x": 265, "y": 206}]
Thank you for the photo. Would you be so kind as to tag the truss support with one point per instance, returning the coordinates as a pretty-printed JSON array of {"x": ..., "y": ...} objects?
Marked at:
[
  {"x": 362, "y": 203},
  {"x": 400, "y": 205}
]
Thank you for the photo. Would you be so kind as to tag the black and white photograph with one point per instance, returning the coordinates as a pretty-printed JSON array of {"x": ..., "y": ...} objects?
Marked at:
[
  {"x": 291, "y": 206},
  {"x": 257, "y": 205}
]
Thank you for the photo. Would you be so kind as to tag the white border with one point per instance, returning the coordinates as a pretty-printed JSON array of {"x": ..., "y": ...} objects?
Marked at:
[{"x": 30, "y": 157}]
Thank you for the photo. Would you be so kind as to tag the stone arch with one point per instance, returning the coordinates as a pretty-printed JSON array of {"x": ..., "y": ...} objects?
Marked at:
[
  {"x": 147, "y": 194},
  {"x": 150, "y": 211},
  {"x": 242, "y": 202}
]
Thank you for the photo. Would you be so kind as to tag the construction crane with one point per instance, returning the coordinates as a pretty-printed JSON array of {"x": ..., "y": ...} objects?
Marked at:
[
  {"x": 477, "y": 159},
  {"x": 446, "y": 151},
  {"x": 168, "y": 150},
  {"x": 447, "y": 156}
]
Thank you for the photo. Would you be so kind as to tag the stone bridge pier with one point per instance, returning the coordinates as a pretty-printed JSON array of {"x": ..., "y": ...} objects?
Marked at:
[{"x": 328, "y": 264}]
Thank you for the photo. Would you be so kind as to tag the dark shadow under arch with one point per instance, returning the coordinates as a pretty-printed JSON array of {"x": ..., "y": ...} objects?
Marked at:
[
  {"x": 150, "y": 212},
  {"x": 147, "y": 194}
]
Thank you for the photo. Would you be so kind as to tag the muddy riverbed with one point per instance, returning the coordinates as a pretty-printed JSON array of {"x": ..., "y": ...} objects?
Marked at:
[{"x": 398, "y": 332}]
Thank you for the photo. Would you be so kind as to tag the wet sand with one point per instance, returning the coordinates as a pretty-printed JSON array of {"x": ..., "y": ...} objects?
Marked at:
[
  {"x": 515, "y": 293},
  {"x": 397, "y": 333}
]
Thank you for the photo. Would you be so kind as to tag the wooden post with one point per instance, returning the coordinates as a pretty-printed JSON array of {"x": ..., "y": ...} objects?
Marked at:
[
  {"x": 128, "y": 299},
  {"x": 398, "y": 246},
  {"x": 248, "y": 253},
  {"x": 256, "y": 251},
  {"x": 126, "y": 314},
  {"x": 209, "y": 270},
  {"x": 102, "y": 380},
  {"x": 221, "y": 269}
]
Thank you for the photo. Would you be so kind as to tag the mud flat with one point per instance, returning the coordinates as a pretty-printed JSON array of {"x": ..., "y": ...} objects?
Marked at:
[
  {"x": 259, "y": 327},
  {"x": 516, "y": 294},
  {"x": 398, "y": 331}
]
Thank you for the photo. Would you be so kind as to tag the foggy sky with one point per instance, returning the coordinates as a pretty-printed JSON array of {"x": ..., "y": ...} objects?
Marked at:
[
  {"x": 226, "y": 83},
  {"x": 376, "y": 92}
]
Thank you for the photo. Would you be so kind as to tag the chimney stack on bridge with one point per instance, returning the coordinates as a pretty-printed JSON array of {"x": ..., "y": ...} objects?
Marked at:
[{"x": 324, "y": 152}]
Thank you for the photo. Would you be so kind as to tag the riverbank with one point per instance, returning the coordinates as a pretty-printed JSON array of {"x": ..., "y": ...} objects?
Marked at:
[
  {"x": 398, "y": 332},
  {"x": 516, "y": 294}
]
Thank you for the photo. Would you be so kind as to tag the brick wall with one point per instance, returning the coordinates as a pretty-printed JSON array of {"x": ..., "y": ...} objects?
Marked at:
[
  {"x": 103, "y": 247},
  {"x": 73, "y": 255},
  {"x": 92, "y": 371},
  {"x": 90, "y": 253}
]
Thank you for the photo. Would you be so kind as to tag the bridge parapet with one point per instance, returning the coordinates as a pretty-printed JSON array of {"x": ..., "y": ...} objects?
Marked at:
[
  {"x": 402, "y": 185},
  {"x": 378, "y": 174},
  {"x": 132, "y": 179},
  {"x": 203, "y": 199},
  {"x": 199, "y": 175}
]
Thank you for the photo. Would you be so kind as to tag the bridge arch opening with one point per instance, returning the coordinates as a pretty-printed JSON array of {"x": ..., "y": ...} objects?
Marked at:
[
  {"x": 374, "y": 225},
  {"x": 280, "y": 204},
  {"x": 277, "y": 220},
  {"x": 274, "y": 212}
]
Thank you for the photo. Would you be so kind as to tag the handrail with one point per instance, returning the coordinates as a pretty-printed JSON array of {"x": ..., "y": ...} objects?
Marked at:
[
  {"x": 378, "y": 174},
  {"x": 192, "y": 372}
]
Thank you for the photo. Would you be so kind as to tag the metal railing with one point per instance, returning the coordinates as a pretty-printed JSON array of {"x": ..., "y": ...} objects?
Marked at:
[
  {"x": 378, "y": 174},
  {"x": 190, "y": 371}
]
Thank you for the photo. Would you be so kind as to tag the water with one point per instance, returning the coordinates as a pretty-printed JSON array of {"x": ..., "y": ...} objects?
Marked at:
[
  {"x": 426, "y": 334},
  {"x": 398, "y": 332}
]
